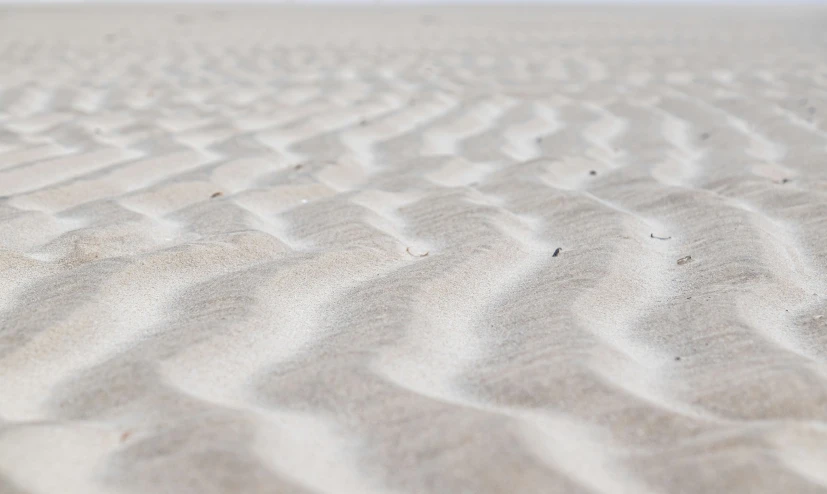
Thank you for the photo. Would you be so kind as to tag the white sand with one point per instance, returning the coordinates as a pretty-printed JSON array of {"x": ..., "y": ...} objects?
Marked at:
[{"x": 314, "y": 250}]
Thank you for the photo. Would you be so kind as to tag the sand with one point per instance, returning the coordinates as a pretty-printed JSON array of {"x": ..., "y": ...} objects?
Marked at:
[{"x": 412, "y": 250}]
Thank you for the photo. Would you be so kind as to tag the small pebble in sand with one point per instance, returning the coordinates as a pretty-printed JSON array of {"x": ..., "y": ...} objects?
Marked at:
[
  {"x": 427, "y": 19},
  {"x": 304, "y": 201},
  {"x": 592, "y": 172},
  {"x": 705, "y": 136},
  {"x": 216, "y": 194},
  {"x": 677, "y": 358},
  {"x": 408, "y": 250},
  {"x": 684, "y": 260}
]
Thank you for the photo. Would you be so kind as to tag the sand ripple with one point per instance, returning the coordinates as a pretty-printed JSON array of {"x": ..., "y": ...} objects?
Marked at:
[{"x": 413, "y": 251}]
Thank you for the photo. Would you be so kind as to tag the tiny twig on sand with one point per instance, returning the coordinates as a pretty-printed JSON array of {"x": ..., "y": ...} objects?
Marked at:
[
  {"x": 684, "y": 260},
  {"x": 216, "y": 194},
  {"x": 659, "y": 238},
  {"x": 557, "y": 251}
]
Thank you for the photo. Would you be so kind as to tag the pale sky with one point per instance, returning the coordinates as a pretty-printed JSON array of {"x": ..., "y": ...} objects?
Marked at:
[{"x": 400, "y": 2}]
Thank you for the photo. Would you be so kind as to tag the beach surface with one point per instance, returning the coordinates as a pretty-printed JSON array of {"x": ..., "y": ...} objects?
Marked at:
[{"x": 410, "y": 250}]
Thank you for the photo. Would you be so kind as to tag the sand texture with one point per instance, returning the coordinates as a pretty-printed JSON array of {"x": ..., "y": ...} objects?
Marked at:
[{"x": 413, "y": 251}]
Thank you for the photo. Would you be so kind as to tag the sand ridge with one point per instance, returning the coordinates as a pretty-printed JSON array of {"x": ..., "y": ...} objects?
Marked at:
[{"x": 413, "y": 250}]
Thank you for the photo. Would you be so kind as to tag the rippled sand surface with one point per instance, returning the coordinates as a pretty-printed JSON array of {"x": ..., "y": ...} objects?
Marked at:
[{"x": 420, "y": 251}]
